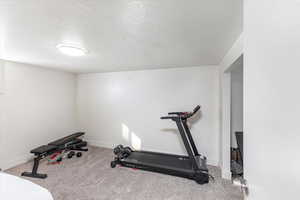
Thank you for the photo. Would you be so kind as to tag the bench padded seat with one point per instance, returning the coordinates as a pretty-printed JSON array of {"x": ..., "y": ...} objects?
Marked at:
[
  {"x": 66, "y": 139},
  {"x": 43, "y": 149}
]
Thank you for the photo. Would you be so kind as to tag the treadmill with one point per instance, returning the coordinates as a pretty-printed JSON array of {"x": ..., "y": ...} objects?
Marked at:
[{"x": 193, "y": 166}]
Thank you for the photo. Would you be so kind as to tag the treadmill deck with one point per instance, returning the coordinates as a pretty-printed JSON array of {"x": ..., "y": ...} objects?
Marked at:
[{"x": 160, "y": 160}]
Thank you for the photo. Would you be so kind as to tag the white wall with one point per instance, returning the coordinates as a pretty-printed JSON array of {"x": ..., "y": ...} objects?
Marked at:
[
  {"x": 1, "y": 110},
  {"x": 272, "y": 98},
  {"x": 38, "y": 106},
  {"x": 121, "y": 107},
  {"x": 236, "y": 102},
  {"x": 1, "y": 76}
]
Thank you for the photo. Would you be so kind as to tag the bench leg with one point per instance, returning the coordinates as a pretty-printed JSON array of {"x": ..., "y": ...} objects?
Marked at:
[{"x": 34, "y": 173}]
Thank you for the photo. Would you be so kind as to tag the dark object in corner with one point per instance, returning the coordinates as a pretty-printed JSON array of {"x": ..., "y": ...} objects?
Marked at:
[
  {"x": 237, "y": 156},
  {"x": 240, "y": 144}
]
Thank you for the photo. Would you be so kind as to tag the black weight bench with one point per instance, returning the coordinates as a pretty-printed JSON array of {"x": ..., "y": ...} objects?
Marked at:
[
  {"x": 68, "y": 143},
  {"x": 66, "y": 139}
]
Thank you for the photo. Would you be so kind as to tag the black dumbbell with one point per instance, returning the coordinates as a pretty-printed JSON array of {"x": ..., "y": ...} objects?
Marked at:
[
  {"x": 126, "y": 152},
  {"x": 71, "y": 154},
  {"x": 78, "y": 154},
  {"x": 113, "y": 164},
  {"x": 118, "y": 149}
]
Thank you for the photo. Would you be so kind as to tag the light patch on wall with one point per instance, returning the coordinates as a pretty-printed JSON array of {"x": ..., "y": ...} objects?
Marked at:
[
  {"x": 131, "y": 138},
  {"x": 136, "y": 141},
  {"x": 125, "y": 132}
]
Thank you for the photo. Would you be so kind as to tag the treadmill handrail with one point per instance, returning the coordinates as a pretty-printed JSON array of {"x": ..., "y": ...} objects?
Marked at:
[
  {"x": 183, "y": 115},
  {"x": 196, "y": 109},
  {"x": 170, "y": 117},
  {"x": 176, "y": 113}
]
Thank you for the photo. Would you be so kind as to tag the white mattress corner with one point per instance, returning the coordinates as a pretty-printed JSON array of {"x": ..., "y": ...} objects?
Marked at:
[{"x": 16, "y": 188}]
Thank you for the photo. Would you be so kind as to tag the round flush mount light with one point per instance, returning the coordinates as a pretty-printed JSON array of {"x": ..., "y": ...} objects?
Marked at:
[{"x": 71, "y": 49}]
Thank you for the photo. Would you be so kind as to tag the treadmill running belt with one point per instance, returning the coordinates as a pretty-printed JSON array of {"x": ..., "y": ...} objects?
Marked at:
[{"x": 161, "y": 160}]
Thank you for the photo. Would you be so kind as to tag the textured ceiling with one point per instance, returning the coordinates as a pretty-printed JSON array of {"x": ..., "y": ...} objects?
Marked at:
[{"x": 119, "y": 34}]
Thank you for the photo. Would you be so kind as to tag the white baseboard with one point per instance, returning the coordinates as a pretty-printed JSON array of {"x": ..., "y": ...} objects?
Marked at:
[
  {"x": 9, "y": 163},
  {"x": 213, "y": 162},
  {"x": 101, "y": 144},
  {"x": 226, "y": 174}
]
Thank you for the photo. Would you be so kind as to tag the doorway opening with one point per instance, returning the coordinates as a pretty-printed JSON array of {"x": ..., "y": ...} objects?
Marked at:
[{"x": 236, "y": 119}]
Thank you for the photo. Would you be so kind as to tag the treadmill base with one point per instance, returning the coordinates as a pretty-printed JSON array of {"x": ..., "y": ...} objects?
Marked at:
[{"x": 199, "y": 176}]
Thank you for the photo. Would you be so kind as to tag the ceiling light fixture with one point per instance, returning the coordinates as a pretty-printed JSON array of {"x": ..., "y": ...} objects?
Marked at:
[{"x": 71, "y": 49}]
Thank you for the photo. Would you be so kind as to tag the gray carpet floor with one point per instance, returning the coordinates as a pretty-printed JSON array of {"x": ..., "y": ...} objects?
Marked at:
[{"x": 91, "y": 178}]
